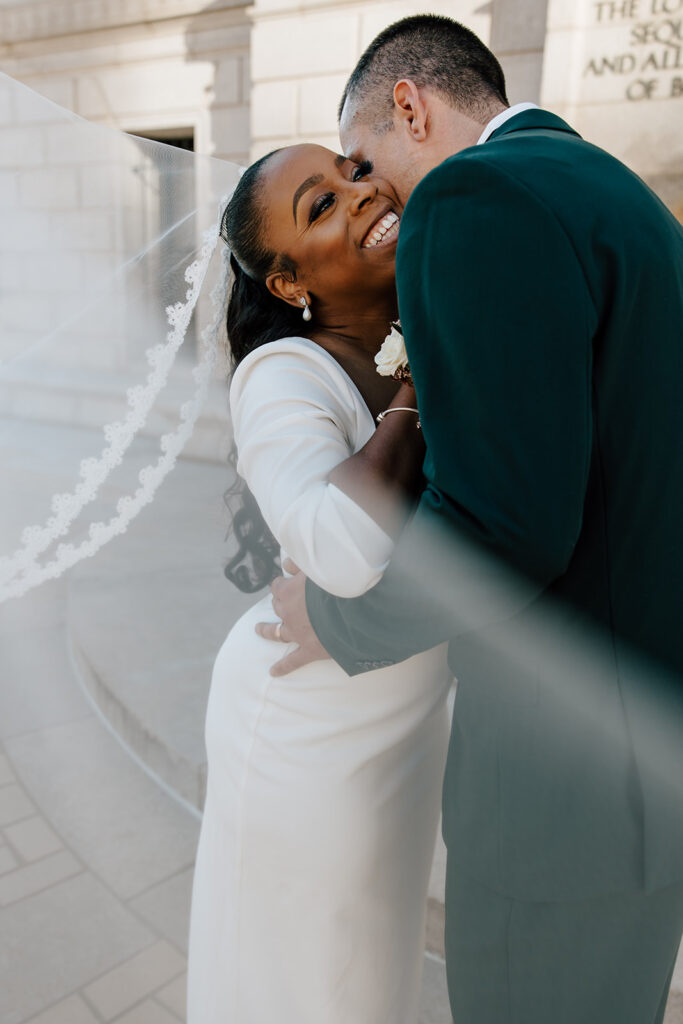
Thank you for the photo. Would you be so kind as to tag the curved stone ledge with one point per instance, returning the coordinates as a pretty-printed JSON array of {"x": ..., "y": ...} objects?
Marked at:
[
  {"x": 186, "y": 778},
  {"x": 145, "y": 620}
]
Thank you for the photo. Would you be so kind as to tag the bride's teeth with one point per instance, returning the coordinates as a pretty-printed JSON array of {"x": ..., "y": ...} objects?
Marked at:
[{"x": 382, "y": 229}]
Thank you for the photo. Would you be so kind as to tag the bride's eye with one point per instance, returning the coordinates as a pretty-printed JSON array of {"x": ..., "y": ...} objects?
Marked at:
[
  {"x": 364, "y": 168},
  {"x": 321, "y": 204}
]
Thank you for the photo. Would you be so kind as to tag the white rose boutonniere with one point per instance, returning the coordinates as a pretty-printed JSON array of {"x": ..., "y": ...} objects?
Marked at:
[{"x": 392, "y": 358}]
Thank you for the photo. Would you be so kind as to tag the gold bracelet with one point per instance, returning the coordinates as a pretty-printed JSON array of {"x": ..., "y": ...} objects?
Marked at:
[{"x": 400, "y": 408}]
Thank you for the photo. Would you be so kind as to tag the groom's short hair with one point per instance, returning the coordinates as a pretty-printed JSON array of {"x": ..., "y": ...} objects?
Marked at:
[{"x": 432, "y": 51}]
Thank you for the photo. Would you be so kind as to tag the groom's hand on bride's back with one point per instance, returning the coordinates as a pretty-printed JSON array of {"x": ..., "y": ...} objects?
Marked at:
[{"x": 289, "y": 603}]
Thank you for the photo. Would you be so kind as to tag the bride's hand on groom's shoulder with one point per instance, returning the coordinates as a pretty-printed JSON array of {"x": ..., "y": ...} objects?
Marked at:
[{"x": 289, "y": 602}]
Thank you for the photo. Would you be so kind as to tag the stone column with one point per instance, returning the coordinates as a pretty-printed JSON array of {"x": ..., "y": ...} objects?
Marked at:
[{"x": 518, "y": 33}]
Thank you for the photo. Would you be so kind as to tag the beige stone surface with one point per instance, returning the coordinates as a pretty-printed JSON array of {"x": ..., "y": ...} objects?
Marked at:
[
  {"x": 69, "y": 1011},
  {"x": 563, "y": 14},
  {"x": 677, "y": 981},
  {"x": 674, "y": 1009},
  {"x": 523, "y": 76},
  {"x": 174, "y": 996},
  {"x": 9, "y": 195},
  {"x": 8, "y": 861},
  {"x": 48, "y": 17},
  {"x": 318, "y": 103},
  {"x": 49, "y": 189},
  {"x": 116, "y": 94},
  {"x": 6, "y": 773},
  {"x": 126, "y": 985},
  {"x": 19, "y": 147},
  {"x": 37, "y": 703},
  {"x": 227, "y": 81},
  {"x": 33, "y": 878},
  {"x": 434, "y": 1005},
  {"x": 519, "y": 27},
  {"x": 230, "y": 130},
  {"x": 120, "y": 823},
  {"x": 304, "y": 54},
  {"x": 166, "y": 908},
  {"x": 33, "y": 838},
  {"x": 274, "y": 110},
  {"x": 262, "y": 146},
  {"x": 59, "y": 940},
  {"x": 14, "y": 804},
  {"x": 148, "y": 1012}
]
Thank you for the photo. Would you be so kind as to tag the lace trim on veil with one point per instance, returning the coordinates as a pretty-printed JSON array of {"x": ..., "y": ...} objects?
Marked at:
[{"x": 22, "y": 571}]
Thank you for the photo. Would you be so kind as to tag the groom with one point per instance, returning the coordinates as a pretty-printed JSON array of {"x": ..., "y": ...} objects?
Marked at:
[{"x": 541, "y": 295}]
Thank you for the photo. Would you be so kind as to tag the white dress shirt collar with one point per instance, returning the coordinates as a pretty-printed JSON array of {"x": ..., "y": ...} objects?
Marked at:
[{"x": 501, "y": 118}]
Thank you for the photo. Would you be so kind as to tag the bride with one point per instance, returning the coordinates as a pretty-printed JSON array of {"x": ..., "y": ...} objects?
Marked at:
[{"x": 323, "y": 791}]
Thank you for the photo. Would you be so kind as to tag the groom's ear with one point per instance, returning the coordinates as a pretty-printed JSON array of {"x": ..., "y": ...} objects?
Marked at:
[{"x": 410, "y": 109}]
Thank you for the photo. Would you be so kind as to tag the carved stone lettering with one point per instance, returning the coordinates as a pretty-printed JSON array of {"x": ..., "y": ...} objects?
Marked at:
[{"x": 648, "y": 47}]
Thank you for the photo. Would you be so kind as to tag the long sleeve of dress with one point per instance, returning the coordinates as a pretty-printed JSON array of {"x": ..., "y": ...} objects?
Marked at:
[{"x": 296, "y": 415}]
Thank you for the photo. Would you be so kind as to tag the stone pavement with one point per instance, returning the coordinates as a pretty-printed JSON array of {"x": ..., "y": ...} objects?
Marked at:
[
  {"x": 96, "y": 855},
  {"x": 95, "y": 858}
]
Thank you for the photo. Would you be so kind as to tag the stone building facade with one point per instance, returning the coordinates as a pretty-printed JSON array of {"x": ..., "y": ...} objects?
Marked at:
[
  {"x": 164, "y": 68},
  {"x": 233, "y": 80},
  {"x": 237, "y": 79}
]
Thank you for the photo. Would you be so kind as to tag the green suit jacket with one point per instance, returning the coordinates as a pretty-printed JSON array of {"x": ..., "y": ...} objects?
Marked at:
[{"x": 541, "y": 295}]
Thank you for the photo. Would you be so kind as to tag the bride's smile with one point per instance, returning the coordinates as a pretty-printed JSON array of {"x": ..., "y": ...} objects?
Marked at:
[{"x": 383, "y": 232}]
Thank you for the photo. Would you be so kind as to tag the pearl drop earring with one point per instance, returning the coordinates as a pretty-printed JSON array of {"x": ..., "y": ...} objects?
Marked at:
[{"x": 307, "y": 310}]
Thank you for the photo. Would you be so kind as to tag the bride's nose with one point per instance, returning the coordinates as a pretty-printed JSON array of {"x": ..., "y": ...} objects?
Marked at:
[{"x": 362, "y": 193}]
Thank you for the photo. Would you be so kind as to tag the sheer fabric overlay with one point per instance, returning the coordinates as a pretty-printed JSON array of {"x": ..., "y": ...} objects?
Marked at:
[{"x": 108, "y": 256}]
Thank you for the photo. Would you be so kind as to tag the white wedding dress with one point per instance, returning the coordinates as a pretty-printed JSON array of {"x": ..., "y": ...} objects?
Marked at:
[{"x": 324, "y": 790}]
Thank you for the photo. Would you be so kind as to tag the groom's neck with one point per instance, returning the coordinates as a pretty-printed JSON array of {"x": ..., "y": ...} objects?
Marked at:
[
  {"x": 450, "y": 130},
  {"x": 461, "y": 130}
]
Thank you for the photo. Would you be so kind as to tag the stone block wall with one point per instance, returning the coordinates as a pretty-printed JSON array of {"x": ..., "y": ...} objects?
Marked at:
[
  {"x": 162, "y": 67},
  {"x": 296, "y": 88},
  {"x": 302, "y": 55},
  {"x": 79, "y": 311},
  {"x": 159, "y": 68}
]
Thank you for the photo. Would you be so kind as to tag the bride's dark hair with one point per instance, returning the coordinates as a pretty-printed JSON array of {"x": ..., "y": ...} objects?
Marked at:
[{"x": 255, "y": 317}]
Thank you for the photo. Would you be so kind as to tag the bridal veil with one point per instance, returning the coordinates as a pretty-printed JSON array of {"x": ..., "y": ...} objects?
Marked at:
[{"x": 108, "y": 261}]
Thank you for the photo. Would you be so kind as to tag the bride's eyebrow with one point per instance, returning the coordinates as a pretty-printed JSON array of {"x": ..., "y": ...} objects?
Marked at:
[{"x": 314, "y": 179}]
